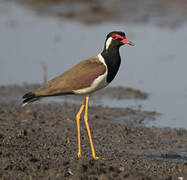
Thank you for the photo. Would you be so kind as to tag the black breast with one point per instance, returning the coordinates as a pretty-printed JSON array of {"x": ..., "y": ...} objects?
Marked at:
[{"x": 113, "y": 61}]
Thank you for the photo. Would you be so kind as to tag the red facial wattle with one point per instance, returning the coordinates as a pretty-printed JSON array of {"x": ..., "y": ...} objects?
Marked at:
[{"x": 123, "y": 39}]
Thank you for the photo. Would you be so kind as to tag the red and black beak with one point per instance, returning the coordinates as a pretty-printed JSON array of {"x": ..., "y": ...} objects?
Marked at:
[
  {"x": 126, "y": 41},
  {"x": 122, "y": 39}
]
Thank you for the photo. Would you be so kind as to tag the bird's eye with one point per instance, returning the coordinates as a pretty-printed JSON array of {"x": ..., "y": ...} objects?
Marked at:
[{"x": 114, "y": 36}]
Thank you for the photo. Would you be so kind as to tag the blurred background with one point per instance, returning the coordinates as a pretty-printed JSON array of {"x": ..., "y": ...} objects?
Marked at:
[{"x": 56, "y": 34}]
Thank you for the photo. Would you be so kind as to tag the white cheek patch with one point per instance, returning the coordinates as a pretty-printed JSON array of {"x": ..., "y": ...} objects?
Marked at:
[{"x": 108, "y": 42}]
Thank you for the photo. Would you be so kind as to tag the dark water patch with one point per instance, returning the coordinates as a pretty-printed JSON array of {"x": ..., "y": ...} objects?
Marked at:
[
  {"x": 121, "y": 93},
  {"x": 176, "y": 157}
]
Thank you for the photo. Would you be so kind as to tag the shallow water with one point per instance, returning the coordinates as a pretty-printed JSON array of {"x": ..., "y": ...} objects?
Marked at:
[{"x": 157, "y": 64}]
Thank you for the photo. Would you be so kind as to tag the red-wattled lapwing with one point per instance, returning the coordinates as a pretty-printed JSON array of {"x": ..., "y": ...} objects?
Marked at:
[{"x": 85, "y": 78}]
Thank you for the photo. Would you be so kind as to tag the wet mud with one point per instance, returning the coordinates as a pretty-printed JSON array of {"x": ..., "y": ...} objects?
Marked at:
[{"x": 40, "y": 142}]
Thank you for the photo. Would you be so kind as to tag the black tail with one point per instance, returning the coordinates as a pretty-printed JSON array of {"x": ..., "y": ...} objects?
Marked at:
[{"x": 28, "y": 98}]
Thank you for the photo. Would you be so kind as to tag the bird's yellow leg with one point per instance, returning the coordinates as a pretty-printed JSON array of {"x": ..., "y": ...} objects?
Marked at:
[
  {"x": 79, "y": 154},
  {"x": 88, "y": 129}
]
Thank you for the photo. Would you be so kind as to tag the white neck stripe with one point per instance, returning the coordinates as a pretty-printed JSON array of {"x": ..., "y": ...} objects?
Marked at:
[{"x": 108, "y": 42}]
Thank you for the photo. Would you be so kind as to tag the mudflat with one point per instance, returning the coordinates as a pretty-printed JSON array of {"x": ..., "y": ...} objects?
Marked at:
[{"x": 40, "y": 142}]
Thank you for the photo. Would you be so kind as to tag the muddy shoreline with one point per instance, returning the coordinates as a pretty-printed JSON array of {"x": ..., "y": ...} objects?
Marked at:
[
  {"x": 163, "y": 13},
  {"x": 40, "y": 142},
  {"x": 14, "y": 93}
]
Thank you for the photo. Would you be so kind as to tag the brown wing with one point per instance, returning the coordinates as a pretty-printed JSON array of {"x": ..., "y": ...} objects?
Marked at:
[{"x": 79, "y": 76}]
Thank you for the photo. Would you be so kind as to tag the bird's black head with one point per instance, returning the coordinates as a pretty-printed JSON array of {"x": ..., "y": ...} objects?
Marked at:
[{"x": 116, "y": 39}]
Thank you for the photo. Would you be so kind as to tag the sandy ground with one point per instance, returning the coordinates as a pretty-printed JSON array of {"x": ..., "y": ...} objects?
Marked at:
[{"x": 40, "y": 142}]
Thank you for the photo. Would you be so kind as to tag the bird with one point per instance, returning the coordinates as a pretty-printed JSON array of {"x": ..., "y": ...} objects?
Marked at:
[{"x": 85, "y": 78}]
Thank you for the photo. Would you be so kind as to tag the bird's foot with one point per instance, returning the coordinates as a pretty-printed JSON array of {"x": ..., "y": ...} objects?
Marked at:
[
  {"x": 96, "y": 158},
  {"x": 79, "y": 154}
]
